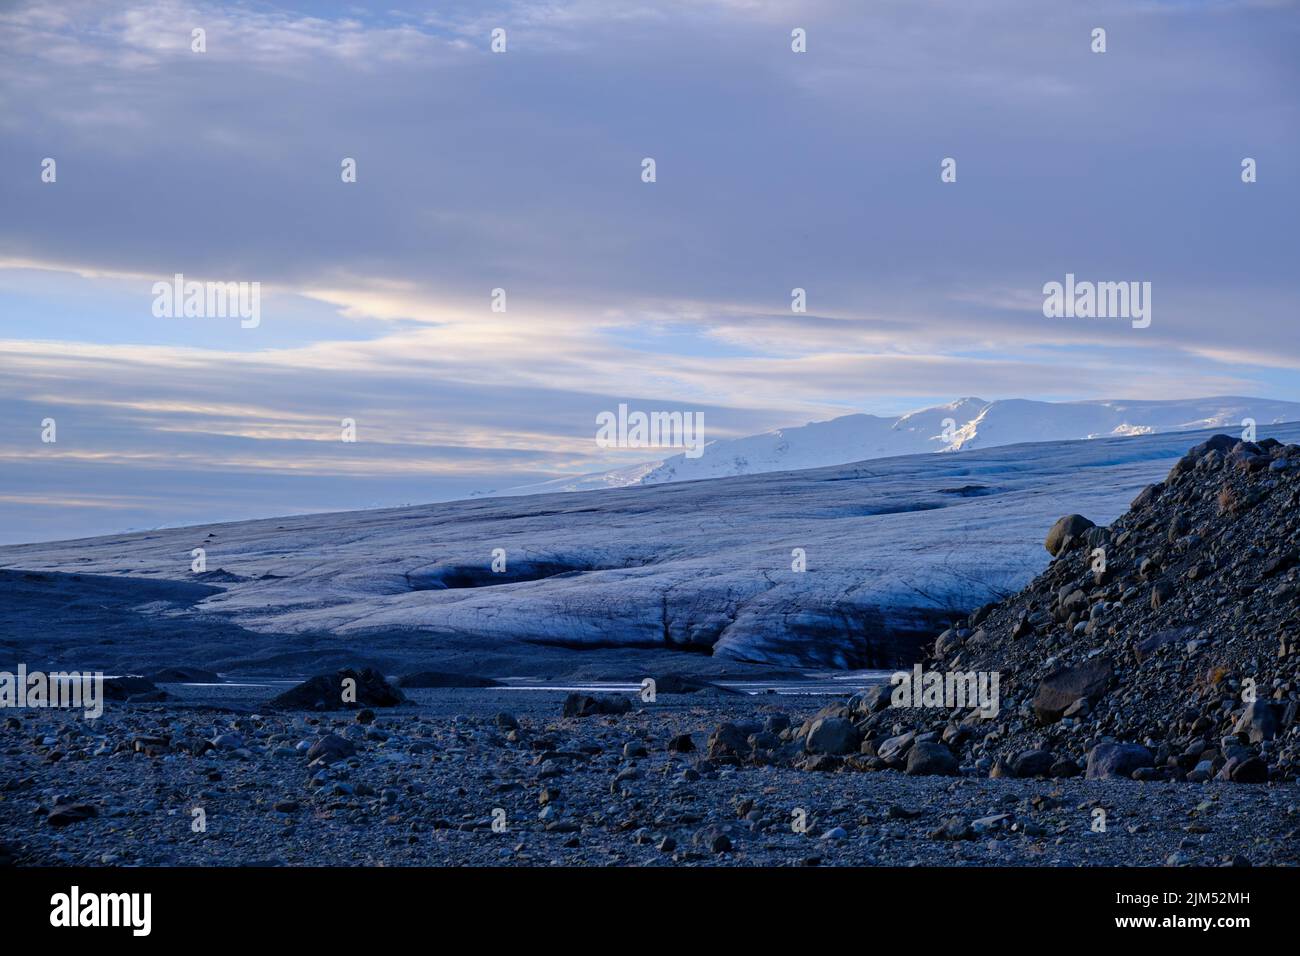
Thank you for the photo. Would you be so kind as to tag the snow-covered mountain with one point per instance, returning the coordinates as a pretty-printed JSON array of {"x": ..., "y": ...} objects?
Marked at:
[{"x": 963, "y": 424}]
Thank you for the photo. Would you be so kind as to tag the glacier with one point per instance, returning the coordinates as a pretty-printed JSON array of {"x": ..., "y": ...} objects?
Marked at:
[{"x": 895, "y": 547}]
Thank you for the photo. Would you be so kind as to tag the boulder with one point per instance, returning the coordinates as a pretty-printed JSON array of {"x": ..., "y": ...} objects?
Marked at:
[
  {"x": 832, "y": 735},
  {"x": 728, "y": 741},
  {"x": 331, "y": 748},
  {"x": 931, "y": 759},
  {"x": 894, "y": 747},
  {"x": 1117, "y": 760},
  {"x": 947, "y": 643},
  {"x": 1032, "y": 763},
  {"x": 368, "y": 688},
  {"x": 1061, "y": 688},
  {"x": 1065, "y": 532},
  {"x": 681, "y": 744},
  {"x": 1258, "y": 722}
]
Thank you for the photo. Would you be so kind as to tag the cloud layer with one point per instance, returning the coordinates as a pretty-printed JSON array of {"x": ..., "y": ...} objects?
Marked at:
[{"x": 521, "y": 171}]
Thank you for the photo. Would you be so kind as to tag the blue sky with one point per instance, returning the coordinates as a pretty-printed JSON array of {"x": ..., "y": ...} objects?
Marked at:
[{"x": 522, "y": 171}]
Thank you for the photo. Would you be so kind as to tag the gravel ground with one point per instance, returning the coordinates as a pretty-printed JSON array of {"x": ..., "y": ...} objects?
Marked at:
[{"x": 428, "y": 779}]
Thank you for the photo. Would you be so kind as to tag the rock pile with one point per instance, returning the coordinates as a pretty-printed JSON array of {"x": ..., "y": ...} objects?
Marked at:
[{"x": 1165, "y": 646}]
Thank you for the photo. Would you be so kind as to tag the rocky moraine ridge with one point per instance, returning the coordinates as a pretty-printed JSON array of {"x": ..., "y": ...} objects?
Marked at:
[{"x": 1163, "y": 647}]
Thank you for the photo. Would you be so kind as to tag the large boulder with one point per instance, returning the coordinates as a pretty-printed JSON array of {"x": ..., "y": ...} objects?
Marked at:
[
  {"x": 1061, "y": 688},
  {"x": 1065, "y": 533},
  {"x": 1033, "y": 763},
  {"x": 833, "y": 735},
  {"x": 347, "y": 689},
  {"x": 931, "y": 759},
  {"x": 1117, "y": 760}
]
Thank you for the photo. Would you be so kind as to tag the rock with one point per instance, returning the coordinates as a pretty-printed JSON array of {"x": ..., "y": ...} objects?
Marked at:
[
  {"x": 331, "y": 748},
  {"x": 1060, "y": 689},
  {"x": 713, "y": 838},
  {"x": 1258, "y": 722},
  {"x": 1117, "y": 760},
  {"x": 873, "y": 700},
  {"x": 64, "y": 814},
  {"x": 776, "y": 723},
  {"x": 954, "y": 828},
  {"x": 681, "y": 744},
  {"x": 947, "y": 643},
  {"x": 584, "y": 705},
  {"x": 992, "y": 823},
  {"x": 931, "y": 759},
  {"x": 728, "y": 741},
  {"x": 894, "y": 747},
  {"x": 506, "y": 721},
  {"x": 228, "y": 742},
  {"x": 1064, "y": 532},
  {"x": 364, "y": 688},
  {"x": 1032, "y": 763},
  {"x": 1250, "y": 770},
  {"x": 1064, "y": 768},
  {"x": 1171, "y": 635},
  {"x": 835, "y": 834},
  {"x": 1079, "y": 709},
  {"x": 832, "y": 735}
]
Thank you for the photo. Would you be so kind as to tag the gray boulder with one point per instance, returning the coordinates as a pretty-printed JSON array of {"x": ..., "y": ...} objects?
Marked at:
[
  {"x": 931, "y": 759},
  {"x": 832, "y": 735},
  {"x": 1117, "y": 760}
]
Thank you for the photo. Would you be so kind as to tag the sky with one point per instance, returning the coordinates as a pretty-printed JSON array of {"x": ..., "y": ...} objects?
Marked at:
[{"x": 522, "y": 171}]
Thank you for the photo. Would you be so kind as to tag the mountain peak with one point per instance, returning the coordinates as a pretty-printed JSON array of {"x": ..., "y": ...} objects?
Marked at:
[{"x": 964, "y": 423}]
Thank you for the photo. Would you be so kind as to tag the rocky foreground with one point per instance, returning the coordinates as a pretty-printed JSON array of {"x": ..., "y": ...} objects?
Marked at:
[{"x": 224, "y": 781}]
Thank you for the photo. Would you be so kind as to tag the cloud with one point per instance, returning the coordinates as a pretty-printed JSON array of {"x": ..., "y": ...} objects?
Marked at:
[{"x": 521, "y": 171}]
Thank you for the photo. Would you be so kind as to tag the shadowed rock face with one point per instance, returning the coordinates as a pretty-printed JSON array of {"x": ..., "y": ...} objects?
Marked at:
[{"x": 892, "y": 553}]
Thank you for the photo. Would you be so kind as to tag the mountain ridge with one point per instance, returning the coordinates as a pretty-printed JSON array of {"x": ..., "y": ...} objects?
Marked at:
[{"x": 962, "y": 424}]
